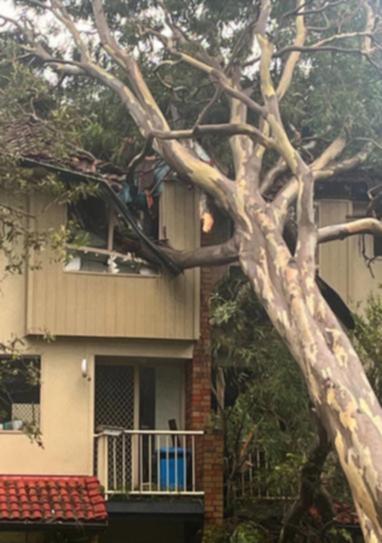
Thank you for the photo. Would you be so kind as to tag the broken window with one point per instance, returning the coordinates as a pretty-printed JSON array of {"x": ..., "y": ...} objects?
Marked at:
[
  {"x": 108, "y": 241},
  {"x": 19, "y": 393},
  {"x": 101, "y": 241}
]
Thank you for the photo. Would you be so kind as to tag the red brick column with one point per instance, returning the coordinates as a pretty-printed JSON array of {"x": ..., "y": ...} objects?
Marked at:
[
  {"x": 198, "y": 375},
  {"x": 210, "y": 449},
  {"x": 213, "y": 458}
]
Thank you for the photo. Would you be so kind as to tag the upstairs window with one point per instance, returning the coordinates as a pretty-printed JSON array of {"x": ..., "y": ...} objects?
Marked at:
[
  {"x": 377, "y": 247},
  {"x": 104, "y": 243},
  {"x": 92, "y": 218},
  {"x": 108, "y": 242},
  {"x": 19, "y": 393}
]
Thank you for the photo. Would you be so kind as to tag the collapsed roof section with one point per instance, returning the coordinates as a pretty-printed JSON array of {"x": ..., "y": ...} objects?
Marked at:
[
  {"x": 108, "y": 194},
  {"x": 37, "y": 143}
]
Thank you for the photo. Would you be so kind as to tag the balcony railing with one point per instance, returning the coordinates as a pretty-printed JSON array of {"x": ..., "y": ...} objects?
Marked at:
[
  {"x": 255, "y": 480},
  {"x": 148, "y": 462}
]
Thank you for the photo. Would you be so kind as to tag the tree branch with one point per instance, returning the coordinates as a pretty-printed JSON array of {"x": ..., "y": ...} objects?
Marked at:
[
  {"x": 127, "y": 62},
  {"x": 211, "y": 255},
  {"x": 323, "y": 49},
  {"x": 306, "y": 238},
  {"x": 241, "y": 147},
  {"x": 322, "y": 45},
  {"x": 288, "y": 193},
  {"x": 294, "y": 57},
  {"x": 225, "y": 129},
  {"x": 345, "y": 165},
  {"x": 64, "y": 67},
  {"x": 296, "y": 12},
  {"x": 60, "y": 12},
  {"x": 354, "y": 228},
  {"x": 272, "y": 174},
  {"x": 216, "y": 75},
  {"x": 177, "y": 32}
]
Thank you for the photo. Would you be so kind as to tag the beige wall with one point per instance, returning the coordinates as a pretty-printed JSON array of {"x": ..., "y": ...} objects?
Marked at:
[
  {"x": 67, "y": 397},
  {"x": 12, "y": 286},
  {"x": 67, "y": 400},
  {"x": 143, "y": 317},
  {"x": 65, "y": 419},
  {"x": 105, "y": 305},
  {"x": 341, "y": 263}
]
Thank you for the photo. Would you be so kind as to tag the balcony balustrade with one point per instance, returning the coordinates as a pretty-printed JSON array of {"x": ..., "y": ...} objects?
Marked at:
[{"x": 148, "y": 462}]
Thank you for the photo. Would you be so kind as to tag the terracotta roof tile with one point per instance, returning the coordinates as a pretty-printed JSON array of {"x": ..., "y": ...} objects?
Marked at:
[{"x": 51, "y": 498}]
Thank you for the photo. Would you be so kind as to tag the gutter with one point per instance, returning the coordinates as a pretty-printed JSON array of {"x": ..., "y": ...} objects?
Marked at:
[{"x": 30, "y": 525}]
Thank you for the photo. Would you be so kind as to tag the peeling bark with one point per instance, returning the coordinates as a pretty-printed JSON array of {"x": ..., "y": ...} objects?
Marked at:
[
  {"x": 283, "y": 280},
  {"x": 335, "y": 378}
]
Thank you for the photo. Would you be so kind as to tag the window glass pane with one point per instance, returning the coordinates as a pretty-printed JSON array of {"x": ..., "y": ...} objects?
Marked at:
[{"x": 19, "y": 393}]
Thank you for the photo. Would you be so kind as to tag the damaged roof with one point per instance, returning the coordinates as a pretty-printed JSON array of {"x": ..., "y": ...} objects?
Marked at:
[{"x": 36, "y": 143}]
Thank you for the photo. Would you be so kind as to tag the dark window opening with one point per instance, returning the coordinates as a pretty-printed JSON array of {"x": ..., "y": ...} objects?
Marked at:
[
  {"x": 147, "y": 398},
  {"x": 377, "y": 246},
  {"x": 19, "y": 393},
  {"x": 101, "y": 242},
  {"x": 91, "y": 216}
]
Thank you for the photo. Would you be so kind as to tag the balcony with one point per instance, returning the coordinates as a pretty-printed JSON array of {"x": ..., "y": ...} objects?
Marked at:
[{"x": 148, "y": 462}]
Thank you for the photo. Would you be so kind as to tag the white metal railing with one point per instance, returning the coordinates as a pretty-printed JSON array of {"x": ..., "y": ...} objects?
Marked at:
[
  {"x": 151, "y": 462},
  {"x": 254, "y": 480}
]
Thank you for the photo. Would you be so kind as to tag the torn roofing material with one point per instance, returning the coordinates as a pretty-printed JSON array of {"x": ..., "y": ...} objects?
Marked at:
[{"x": 73, "y": 176}]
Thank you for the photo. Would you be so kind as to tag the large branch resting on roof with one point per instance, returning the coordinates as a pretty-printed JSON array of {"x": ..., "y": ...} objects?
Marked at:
[
  {"x": 175, "y": 261},
  {"x": 74, "y": 176},
  {"x": 227, "y": 252},
  {"x": 210, "y": 255}
]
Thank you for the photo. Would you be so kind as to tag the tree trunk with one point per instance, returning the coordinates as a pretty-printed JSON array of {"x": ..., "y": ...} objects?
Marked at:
[{"x": 341, "y": 394}]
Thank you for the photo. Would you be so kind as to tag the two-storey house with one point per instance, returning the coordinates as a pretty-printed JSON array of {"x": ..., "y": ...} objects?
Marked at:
[
  {"x": 123, "y": 395},
  {"x": 121, "y": 347}
]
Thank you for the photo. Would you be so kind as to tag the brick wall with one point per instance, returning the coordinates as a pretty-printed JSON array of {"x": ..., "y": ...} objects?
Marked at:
[
  {"x": 213, "y": 458},
  {"x": 198, "y": 376},
  {"x": 209, "y": 453}
]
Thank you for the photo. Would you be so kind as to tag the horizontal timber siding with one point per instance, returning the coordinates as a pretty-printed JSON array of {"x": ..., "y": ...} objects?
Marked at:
[
  {"x": 334, "y": 257},
  {"x": 348, "y": 265},
  {"x": 88, "y": 304}
]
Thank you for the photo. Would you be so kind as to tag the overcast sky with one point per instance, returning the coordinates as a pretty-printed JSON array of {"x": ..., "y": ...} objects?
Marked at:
[{"x": 6, "y": 7}]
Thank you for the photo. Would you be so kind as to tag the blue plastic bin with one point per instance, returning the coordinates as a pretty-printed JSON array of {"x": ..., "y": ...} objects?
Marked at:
[{"x": 172, "y": 469}]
